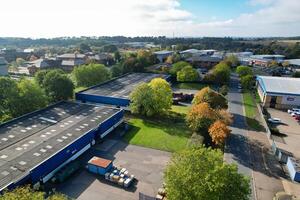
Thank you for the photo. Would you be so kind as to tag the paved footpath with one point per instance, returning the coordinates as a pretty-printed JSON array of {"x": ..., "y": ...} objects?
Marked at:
[{"x": 250, "y": 150}]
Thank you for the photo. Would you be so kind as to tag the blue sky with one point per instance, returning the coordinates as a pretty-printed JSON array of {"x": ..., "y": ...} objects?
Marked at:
[
  {"x": 183, "y": 18},
  {"x": 217, "y": 9}
]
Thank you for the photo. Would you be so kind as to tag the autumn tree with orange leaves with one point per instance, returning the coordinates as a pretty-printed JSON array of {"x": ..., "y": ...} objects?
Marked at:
[{"x": 219, "y": 131}]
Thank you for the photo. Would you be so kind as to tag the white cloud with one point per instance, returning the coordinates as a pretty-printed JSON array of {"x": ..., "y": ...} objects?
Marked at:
[{"x": 52, "y": 18}]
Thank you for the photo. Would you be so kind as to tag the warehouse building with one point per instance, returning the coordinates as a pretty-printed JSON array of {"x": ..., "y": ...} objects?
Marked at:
[
  {"x": 116, "y": 91},
  {"x": 35, "y": 146},
  {"x": 279, "y": 92}
]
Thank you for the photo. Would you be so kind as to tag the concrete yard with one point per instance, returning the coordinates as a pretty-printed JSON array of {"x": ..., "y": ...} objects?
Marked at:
[
  {"x": 290, "y": 129},
  {"x": 146, "y": 164}
]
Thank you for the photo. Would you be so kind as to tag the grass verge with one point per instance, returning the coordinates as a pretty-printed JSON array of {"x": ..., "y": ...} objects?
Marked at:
[{"x": 251, "y": 112}]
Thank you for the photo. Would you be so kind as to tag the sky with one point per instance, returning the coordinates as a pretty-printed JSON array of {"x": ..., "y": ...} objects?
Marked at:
[{"x": 179, "y": 18}]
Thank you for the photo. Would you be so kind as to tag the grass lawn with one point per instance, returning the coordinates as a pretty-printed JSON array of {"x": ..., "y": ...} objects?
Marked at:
[
  {"x": 181, "y": 109},
  {"x": 157, "y": 135},
  {"x": 190, "y": 86},
  {"x": 251, "y": 111}
]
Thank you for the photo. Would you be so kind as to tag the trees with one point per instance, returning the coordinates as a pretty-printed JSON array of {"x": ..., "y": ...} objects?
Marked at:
[
  {"x": 117, "y": 56},
  {"x": 188, "y": 73},
  {"x": 200, "y": 173},
  {"x": 152, "y": 98},
  {"x": 177, "y": 67},
  {"x": 110, "y": 48},
  {"x": 218, "y": 131},
  {"x": 92, "y": 74},
  {"x": 58, "y": 86},
  {"x": 25, "y": 193},
  {"x": 116, "y": 70},
  {"x": 200, "y": 117},
  {"x": 173, "y": 58},
  {"x": 232, "y": 60},
  {"x": 244, "y": 70},
  {"x": 31, "y": 98},
  {"x": 213, "y": 98},
  {"x": 18, "y": 98},
  {"x": 83, "y": 47},
  {"x": 224, "y": 90},
  {"x": 221, "y": 73},
  {"x": 247, "y": 81},
  {"x": 296, "y": 75},
  {"x": 224, "y": 116}
]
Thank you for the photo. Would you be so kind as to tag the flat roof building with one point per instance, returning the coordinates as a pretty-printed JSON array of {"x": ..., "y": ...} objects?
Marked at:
[
  {"x": 35, "y": 146},
  {"x": 116, "y": 91},
  {"x": 163, "y": 55},
  {"x": 279, "y": 92}
]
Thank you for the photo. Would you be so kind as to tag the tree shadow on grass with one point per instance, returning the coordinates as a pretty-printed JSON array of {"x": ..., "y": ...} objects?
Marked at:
[{"x": 254, "y": 125}]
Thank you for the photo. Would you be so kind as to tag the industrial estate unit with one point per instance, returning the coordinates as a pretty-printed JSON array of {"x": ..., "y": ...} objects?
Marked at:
[
  {"x": 279, "y": 92},
  {"x": 116, "y": 91},
  {"x": 35, "y": 146}
]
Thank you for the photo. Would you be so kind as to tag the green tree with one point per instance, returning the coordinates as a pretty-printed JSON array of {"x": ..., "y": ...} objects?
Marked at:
[
  {"x": 117, "y": 56},
  {"x": 26, "y": 193},
  {"x": 221, "y": 73},
  {"x": 31, "y": 98},
  {"x": 20, "y": 62},
  {"x": 153, "y": 98},
  {"x": 213, "y": 98},
  {"x": 162, "y": 94},
  {"x": 248, "y": 81},
  {"x": 232, "y": 61},
  {"x": 176, "y": 67},
  {"x": 40, "y": 76},
  {"x": 200, "y": 173},
  {"x": 142, "y": 100},
  {"x": 116, "y": 70},
  {"x": 83, "y": 47},
  {"x": 92, "y": 74},
  {"x": 8, "y": 94},
  {"x": 188, "y": 73},
  {"x": 58, "y": 86},
  {"x": 244, "y": 70},
  {"x": 110, "y": 48}
]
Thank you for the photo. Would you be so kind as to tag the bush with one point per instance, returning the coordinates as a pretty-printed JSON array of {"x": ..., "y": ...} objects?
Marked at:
[
  {"x": 244, "y": 70},
  {"x": 224, "y": 90}
]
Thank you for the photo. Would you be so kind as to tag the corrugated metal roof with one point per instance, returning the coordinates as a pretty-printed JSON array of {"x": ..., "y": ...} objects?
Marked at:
[
  {"x": 282, "y": 85},
  {"x": 100, "y": 162}
]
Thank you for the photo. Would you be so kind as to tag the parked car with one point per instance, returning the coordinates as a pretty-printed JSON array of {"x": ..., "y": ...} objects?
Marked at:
[
  {"x": 294, "y": 114},
  {"x": 274, "y": 120},
  {"x": 290, "y": 111},
  {"x": 297, "y": 117}
]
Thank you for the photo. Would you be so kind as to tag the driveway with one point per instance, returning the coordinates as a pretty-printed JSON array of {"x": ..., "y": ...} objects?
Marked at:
[{"x": 251, "y": 151}]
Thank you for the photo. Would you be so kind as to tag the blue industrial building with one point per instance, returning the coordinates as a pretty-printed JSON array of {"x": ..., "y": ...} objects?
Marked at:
[
  {"x": 116, "y": 91},
  {"x": 35, "y": 146}
]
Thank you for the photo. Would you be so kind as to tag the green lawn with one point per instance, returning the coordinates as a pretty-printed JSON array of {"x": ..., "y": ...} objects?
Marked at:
[
  {"x": 251, "y": 111},
  {"x": 190, "y": 86},
  {"x": 181, "y": 109}
]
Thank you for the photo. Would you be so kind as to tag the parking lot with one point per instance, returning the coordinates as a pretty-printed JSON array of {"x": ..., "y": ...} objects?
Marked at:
[
  {"x": 146, "y": 164},
  {"x": 290, "y": 129}
]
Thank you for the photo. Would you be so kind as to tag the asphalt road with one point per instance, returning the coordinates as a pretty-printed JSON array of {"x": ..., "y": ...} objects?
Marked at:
[{"x": 237, "y": 147}]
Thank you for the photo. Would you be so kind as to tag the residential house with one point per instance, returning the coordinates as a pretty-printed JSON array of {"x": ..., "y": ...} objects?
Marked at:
[
  {"x": 163, "y": 55},
  {"x": 70, "y": 60}
]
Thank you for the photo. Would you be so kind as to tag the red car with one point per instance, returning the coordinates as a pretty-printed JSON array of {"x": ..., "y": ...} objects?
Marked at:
[{"x": 297, "y": 117}]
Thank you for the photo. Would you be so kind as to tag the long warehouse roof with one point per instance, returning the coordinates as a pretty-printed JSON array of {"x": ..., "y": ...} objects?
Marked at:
[
  {"x": 121, "y": 87},
  {"x": 29, "y": 140},
  {"x": 280, "y": 85}
]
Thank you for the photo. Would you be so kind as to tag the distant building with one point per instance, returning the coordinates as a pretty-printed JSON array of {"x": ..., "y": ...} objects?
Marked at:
[
  {"x": 3, "y": 67},
  {"x": 204, "y": 61},
  {"x": 264, "y": 60},
  {"x": 195, "y": 52},
  {"x": 70, "y": 60},
  {"x": 279, "y": 92},
  {"x": 163, "y": 55},
  {"x": 294, "y": 63},
  {"x": 102, "y": 58}
]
